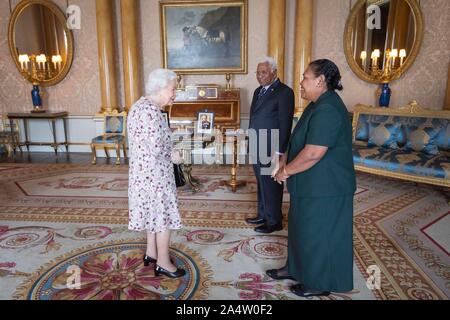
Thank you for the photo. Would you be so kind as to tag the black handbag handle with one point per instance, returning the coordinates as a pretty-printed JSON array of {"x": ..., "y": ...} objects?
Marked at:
[{"x": 179, "y": 176}]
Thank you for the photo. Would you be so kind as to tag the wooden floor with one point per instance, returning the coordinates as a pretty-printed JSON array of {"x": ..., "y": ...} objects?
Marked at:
[{"x": 50, "y": 157}]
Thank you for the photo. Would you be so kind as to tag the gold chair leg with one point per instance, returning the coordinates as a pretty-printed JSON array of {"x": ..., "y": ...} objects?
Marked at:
[
  {"x": 94, "y": 156},
  {"x": 8, "y": 149},
  {"x": 106, "y": 152},
  {"x": 124, "y": 151},
  {"x": 118, "y": 154}
]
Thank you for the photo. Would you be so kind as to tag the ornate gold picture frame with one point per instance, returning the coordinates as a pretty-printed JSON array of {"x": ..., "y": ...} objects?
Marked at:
[{"x": 204, "y": 37}]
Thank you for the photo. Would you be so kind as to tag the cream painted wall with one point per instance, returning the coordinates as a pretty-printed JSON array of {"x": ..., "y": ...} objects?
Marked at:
[{"x": 79, "y": 92}]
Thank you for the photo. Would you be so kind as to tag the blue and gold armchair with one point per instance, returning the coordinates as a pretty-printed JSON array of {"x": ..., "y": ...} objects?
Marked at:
[
  {"x": 409, "y": 143},
  {"x": 114, "y": 135}
]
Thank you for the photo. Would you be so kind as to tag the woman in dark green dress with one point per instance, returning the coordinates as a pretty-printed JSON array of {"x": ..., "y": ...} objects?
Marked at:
[{"x": 320, "y": 178}]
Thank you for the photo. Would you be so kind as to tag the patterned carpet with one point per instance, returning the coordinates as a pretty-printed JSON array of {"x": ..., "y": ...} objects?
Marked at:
[{"x": 60, "y": 221}]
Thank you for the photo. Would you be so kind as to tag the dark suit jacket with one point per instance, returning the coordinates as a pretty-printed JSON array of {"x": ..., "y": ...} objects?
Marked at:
[{"x": 274, "y": 110}]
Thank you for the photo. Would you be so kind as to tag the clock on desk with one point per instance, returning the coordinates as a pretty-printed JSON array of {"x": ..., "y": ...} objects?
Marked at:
[{"x": 199, "y": 92}]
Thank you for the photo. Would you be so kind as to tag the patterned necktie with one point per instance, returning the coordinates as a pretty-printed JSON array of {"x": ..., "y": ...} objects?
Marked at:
[{"x": 262, "y": 92}]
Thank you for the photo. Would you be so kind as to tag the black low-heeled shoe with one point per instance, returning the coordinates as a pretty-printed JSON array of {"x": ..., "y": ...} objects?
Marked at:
[
  {"x": 301, "y": 291},
  {"x": 274, "y": 274},
  {"x": 148, "y": 260},
  {"x": 176, "y": 274}
]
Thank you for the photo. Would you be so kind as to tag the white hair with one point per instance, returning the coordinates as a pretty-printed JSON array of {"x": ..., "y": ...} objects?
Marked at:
[
  {"x": 271, "y": 61},
  {"x": 159, "y": 79}
]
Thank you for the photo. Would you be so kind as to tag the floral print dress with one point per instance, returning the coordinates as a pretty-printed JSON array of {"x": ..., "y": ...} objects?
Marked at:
[{"x": 152, "y": 194}]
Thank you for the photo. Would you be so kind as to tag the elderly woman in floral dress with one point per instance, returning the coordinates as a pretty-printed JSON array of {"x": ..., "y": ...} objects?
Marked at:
[{"x": 152, "y": 194}]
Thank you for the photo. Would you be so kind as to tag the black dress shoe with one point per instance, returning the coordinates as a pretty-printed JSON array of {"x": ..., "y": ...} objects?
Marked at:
[
  {"x": 255, "y": 220},
  {"x": 265, "y": 228},
  {"x": 273, "y": 273},
  {"x": 176, "y": 274},
  {"x": 148, "y": 260},
  {"x": 302, "y": 291}
]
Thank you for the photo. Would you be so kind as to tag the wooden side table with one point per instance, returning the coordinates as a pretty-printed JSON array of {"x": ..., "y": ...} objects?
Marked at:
[{"x": 52, "y": 116}]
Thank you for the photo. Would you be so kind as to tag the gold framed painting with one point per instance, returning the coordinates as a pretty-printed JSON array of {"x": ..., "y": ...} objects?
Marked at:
[{"x": 204, "y": 37}]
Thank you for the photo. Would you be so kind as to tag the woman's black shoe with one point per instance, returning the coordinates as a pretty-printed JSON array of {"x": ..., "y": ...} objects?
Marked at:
[
  {"x": 148, "y": 260},
  {"x": 276, "y": 274},
  {"x": 302, "y": 291},
  {"x": 176, "y": 274}
]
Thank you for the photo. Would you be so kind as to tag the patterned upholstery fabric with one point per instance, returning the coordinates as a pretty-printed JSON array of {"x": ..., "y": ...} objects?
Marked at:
[
  {"x": 402, "y": 161},
  {"x": 421, "y": 146},
  {"x": 114, "y": 124},
  {"x": 362, "y": 128},
  {"x": 108, "y": 139},
  {"x": 384, "y": 135},
  {"x": 443, "y": 139},
  {"x": 423, "y": 139}
]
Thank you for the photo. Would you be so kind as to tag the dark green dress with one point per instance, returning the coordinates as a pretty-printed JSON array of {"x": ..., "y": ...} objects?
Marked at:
[{"x": 320, "y": 245}]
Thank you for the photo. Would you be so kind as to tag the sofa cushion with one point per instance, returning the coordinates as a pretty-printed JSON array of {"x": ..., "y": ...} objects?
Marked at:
[
  {"x": 364, "y": 120},
  {"x": 411, "y": 123},
  {"x": 423, "y": 139},
  {"x": 402, "y": 161},
  {"x": 362, "y": 128},
  {"x": 443, "y": 139},
  {"x": 384, "y": 135}
]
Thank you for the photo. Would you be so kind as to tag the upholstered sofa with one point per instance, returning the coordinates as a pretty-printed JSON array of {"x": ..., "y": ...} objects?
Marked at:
[{"x": 408, "y": 143}]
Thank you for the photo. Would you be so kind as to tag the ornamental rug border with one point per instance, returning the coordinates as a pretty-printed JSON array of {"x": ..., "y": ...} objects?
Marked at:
[{"x": 401, "y": 276}]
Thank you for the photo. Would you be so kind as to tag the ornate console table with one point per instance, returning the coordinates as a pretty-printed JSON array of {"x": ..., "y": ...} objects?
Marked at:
[{"x": 52, "y": 116}]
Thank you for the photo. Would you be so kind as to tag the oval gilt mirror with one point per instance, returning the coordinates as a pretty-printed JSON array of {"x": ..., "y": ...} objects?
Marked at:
[
  {"x": 383, "y": 38},
  {"x": 40, "y": 42}
]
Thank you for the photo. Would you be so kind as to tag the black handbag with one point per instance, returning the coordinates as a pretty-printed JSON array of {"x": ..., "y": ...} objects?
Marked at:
[{"x": 179, "y": 176}]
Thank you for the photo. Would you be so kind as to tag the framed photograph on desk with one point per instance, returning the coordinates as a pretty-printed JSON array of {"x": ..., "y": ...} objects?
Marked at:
[
  {"x": 205, "y": 122},
  {"x": 204, "y": 37}
]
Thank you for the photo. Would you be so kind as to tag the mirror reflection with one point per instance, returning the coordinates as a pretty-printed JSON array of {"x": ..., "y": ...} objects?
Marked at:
[
  {"x": 383, "y": 35},
  {"x": 40, "y": 43}
]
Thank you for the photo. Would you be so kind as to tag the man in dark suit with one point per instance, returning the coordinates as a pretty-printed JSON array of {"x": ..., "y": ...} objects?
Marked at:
[{"x": 271, "y": 116}]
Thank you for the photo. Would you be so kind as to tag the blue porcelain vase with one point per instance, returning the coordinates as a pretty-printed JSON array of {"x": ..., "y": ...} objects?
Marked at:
[
  {"x": 385, "y": 96},
  {"x": 36, "y": 97}
]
